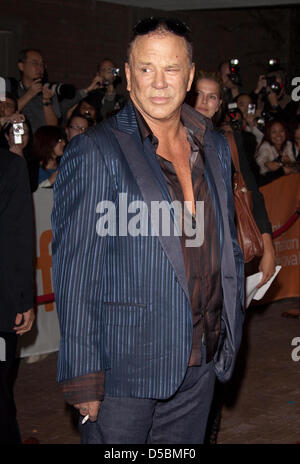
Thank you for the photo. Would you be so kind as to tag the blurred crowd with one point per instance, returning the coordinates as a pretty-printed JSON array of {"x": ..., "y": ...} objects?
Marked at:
[
  {"x": 267, "y": 118},
  {"x": 38, "y": 119}
]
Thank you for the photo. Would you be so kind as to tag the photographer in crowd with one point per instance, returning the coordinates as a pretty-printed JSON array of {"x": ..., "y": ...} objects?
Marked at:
[
  {"x": 249, "y": 112},
  {"x": 109, "y": 101},
  {"x": 229, "y": 72},
  {"x": 35, "y": 99},
  {"x": 270, "y": 94}
]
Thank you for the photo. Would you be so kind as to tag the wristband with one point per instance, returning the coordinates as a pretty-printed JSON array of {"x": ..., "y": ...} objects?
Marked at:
[{"x": 46, "y": 103}]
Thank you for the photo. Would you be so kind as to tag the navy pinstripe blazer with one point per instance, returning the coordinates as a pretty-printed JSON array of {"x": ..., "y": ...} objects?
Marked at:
[{"x": 123, "y": 301}]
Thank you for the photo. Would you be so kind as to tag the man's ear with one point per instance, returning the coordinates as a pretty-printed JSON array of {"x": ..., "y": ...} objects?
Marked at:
[
  {"x": 128, "y": 76},
  {"x": 21, "y": 66},
  {"x": 191, "y": 77}
]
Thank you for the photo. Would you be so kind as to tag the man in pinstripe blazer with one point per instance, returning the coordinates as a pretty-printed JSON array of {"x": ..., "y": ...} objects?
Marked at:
[{"x": 150, "y": 306}]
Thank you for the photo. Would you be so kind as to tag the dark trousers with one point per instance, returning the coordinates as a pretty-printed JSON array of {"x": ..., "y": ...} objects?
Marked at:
[
  {"x": 9, "y": 430},
  {"x": 180, "y": 419}
]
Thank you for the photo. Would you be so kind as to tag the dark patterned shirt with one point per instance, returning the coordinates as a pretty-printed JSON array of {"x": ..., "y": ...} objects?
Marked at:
[{"x": 202, "y": 263}]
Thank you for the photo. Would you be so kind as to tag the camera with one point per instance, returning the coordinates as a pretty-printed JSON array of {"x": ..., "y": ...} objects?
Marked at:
[
  {"x": 273, "y": 64},
  {"x": 18, "y": 131},
  {"x": 251, "y": 108},
  {"x": 263, "y": 119},
  {"x": 62, "y": 91},
  {"x": 233, "y": 113},
  {"x": 260, "y": 123},
  {"x": 274, "y": 85},
  {"x": 116, "y": 75},
  {"x": 115, "y": 72},
  {"x": 234, "y": 71}
]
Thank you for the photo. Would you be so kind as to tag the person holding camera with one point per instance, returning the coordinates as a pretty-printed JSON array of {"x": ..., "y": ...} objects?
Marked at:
[
  {"x": 269, "y": 94},
  {"x": 8, "y": 113},
  {"x": 108, "y": 78},
  {"x": 248, "y": 110},
  {"x": 35, "y": 99},
  {"x": 230, "y": 87}
]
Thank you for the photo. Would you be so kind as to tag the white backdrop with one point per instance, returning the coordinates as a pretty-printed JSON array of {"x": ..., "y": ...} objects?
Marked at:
[{"x": 44, "y": 337}]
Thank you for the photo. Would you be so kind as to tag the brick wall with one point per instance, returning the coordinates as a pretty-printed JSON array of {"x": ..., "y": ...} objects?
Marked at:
[{"x": 76, "y": 34}]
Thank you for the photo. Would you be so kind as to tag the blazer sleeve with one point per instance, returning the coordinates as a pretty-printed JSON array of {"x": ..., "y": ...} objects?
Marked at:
[
  {"x": 79, "y": 258},
  {"x": 17, "y": 221},
  {"x": 24, "y": 238}
]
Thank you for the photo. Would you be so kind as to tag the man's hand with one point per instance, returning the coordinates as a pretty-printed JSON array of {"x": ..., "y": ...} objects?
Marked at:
[
  {"x": 91, "y": 408},
  {"x": 96, "y": 83},
  {"x": 35, "y": 88},
  {"x": 261, "y": 83},
  {"x": 15, "y": 117},
  {"x": 47, "y": 93},
  {"x": 27, "y": 319}
]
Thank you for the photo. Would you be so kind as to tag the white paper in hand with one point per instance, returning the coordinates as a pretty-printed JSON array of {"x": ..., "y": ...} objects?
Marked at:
[{"x": 252, "y": 292}]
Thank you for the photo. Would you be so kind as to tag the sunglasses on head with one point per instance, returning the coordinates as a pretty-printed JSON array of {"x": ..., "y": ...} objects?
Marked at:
[{"x": 144, "y": 26}]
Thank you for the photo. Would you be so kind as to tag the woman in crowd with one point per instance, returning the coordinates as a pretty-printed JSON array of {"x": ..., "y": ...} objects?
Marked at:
[
  {"x": 23, "y": 149},
  {"x": 78, "y": 124},
  {"x": 296, "y": 142},
  {"x": 276, "y": 151},
  {"x": 208, "y": 103},
  {"x": 48, "y": 146},
  {"x": 89, "y": 107}
]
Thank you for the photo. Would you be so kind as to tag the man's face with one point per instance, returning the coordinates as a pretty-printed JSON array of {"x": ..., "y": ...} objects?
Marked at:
[
  {"x": 7, "y": 107},
  {"x": 242, "y": 102},
  {"x": 78, "y": 126},
  {"x": 33, "y": 66},
  {"x": 159, "y": 74},
  {"x": 105, "y": 71}
]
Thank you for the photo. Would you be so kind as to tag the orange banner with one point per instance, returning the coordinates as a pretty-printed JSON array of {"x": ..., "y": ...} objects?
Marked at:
[{"x": 282, "y": 198}]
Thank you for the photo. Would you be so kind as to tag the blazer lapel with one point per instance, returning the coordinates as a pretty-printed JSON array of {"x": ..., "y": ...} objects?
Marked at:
[{"x": 153, "y": 187}]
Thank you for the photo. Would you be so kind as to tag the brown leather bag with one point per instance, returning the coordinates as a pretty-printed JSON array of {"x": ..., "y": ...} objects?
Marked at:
[{"x": 249, "y": 236}]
